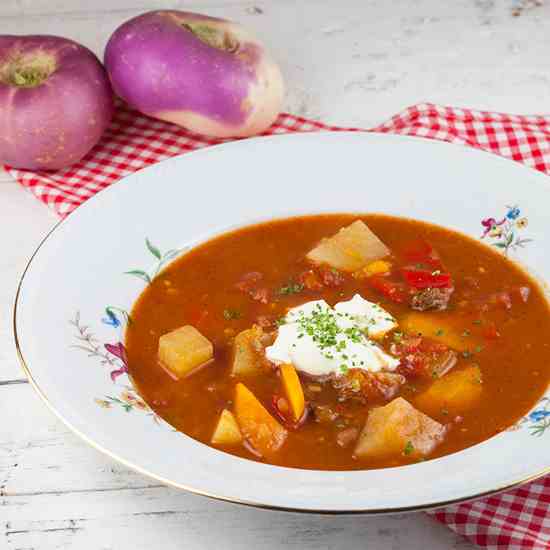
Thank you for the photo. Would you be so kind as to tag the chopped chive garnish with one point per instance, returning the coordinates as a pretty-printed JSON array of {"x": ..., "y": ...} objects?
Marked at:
[{"x": 409, "y": 448}]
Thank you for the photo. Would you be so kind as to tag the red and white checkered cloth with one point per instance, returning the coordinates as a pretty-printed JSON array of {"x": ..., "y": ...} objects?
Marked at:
[{"x": 518, "y": 519}]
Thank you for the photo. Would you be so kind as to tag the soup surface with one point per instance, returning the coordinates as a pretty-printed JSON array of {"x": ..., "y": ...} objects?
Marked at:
[{"x": 438, "y": 342}]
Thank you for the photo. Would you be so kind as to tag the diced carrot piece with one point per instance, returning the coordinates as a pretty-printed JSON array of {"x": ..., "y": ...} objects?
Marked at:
[
  {"x": 378, "y": 267},
  {"x": 352, "y": 248},
  {"x": 455, "y": 392},
  {"x": 227, "y": 430},
  {"x": 258, "y": 427},
  {"x": 183, "y": 350},
  {"x": 293, "y": 390},
  {"x": 398, "y": 429}
]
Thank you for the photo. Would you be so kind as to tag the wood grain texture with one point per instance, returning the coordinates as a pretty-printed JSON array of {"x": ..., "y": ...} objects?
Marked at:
[
  {"x": 23, "y": 223},
  {"x": 351, "y": 63}
]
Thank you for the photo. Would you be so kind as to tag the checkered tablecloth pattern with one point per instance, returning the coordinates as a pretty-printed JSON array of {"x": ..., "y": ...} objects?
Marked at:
[
  {"x": 133, "y": 141},
  {"x": 518, "y": 519}
]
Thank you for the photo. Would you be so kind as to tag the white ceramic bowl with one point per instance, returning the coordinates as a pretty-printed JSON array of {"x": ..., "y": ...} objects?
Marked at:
[{"x": 71, "y": 304}]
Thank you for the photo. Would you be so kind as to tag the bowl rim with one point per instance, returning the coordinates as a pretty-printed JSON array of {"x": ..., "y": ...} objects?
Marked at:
[{"x": 170, "y": 483}]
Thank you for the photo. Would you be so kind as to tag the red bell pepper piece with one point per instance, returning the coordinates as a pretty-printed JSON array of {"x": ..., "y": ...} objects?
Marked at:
[
  {"x": 422, "y": 253},
  {"x": 424, "y": 278},
  {"x": 394, "y": 291}
]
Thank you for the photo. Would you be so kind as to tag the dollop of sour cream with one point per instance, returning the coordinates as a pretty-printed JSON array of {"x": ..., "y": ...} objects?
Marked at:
[{"x": 320, "y": 340}]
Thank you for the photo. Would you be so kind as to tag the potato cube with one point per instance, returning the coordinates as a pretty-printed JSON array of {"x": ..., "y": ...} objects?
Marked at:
[
  {"x": 455, "y": 392},
  {"x": 293, "y": 390},
  {"x": 248, "y": 352},
  {"x": 259, "y": 428},
  {"x": 434, "y": 327},
  {"x": 352, "y": 248},
  {"x": 183, "y": 350},
  {"x": 398, "y": 429},
  {"x": 227, "y": 430}
]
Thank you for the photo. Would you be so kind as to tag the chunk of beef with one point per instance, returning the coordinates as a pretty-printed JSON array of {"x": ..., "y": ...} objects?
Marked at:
[
  {"x": 365, "y": 386},
  {"x": 431, "y": 298},
  {"x": 249, "y": 284},
  {"x": 422, "y": 357},
  {"x": 331, "y": 277}
]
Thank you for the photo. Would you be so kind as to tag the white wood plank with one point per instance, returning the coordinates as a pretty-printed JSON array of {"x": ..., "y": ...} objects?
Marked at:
[
  {"x": 38, "y": 442},
  {"x": 23, "y": 222},
  {"x": 161, "y": 518}
]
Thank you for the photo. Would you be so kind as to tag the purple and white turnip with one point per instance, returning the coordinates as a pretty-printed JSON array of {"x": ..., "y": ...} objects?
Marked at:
[
  {"x": 206, "y": 74},
  {"x": 55, "y": 101}
]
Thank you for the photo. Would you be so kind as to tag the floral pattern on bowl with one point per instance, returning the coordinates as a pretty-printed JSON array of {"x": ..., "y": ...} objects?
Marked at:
[
  {"x": 112, "y": 355},
  {"x": 504, "y": 233}
]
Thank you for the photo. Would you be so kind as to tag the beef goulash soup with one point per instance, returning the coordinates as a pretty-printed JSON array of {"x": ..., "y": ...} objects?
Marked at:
[{"x": 340, "y": 342}]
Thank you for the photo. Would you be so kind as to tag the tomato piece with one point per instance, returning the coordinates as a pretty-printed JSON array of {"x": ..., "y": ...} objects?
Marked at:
[
  {"x": 406, "y": 345},
  {"x": 430, "y": 346},
  {"x": 394, "y": 291},
  {"x": 423, "y": 278}
]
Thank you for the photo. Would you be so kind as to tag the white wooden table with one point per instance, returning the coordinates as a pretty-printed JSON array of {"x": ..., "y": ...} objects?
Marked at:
[{"x": 350, "y": 63}]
